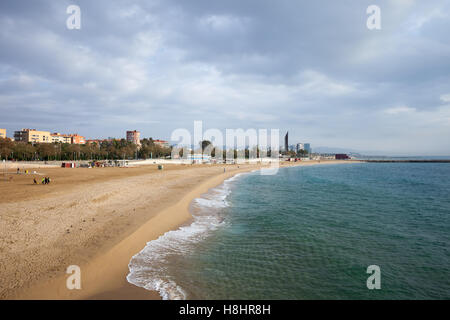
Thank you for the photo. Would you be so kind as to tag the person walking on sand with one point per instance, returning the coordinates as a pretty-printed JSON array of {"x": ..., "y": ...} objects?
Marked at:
[
  {"x": 18, "y": 170},
  {"x": 34, "y": 180}
]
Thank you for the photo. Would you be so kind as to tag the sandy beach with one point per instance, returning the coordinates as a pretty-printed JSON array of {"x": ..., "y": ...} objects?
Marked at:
[{"x": 94, "y": 218}]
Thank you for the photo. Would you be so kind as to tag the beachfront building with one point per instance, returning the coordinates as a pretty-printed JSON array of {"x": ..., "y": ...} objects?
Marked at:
[
  {"x": 57, "y": 137},
  {"x": 303, "y": 146},
  {"x": 67, "y": 138},
  {"x": 32, "y": 135},
  {"x": 3, "y": 133},
  {"x": 61, "y": 138},
  {"x": 77, "y": 139},
  {"x": 134, "y": 137},
  {"x": 162, "y": 143},
  {"x": 308, "y": 147},
  {"x": 35, "y": 136}
]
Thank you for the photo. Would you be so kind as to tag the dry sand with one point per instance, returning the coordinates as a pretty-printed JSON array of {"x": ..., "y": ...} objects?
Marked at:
[{"x": 94, "y": 218}]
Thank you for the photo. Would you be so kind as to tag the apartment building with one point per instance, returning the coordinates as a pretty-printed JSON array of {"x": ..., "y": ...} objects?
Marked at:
[
  {"x": 68, "y": 138},
  {"x": 162, "y": 143},
  {"x": 134, "y": 137},
  {"x": 60, "y": 138},
  {"x": 77, "y": 139},
  {"x": 32, "y": 135},
  {"x": 3, "y": 133},
  {"x": 35, "y": 136}
]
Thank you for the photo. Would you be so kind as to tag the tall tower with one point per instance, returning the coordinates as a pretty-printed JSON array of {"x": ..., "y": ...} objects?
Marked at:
[
  {"x": 134, "y": 137},
  {"x": 286, "y": 142},
  {"x": 308, "y": 147}
]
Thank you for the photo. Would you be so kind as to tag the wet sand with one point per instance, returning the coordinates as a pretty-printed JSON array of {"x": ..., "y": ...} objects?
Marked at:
[{"x": 94, "y": 218}]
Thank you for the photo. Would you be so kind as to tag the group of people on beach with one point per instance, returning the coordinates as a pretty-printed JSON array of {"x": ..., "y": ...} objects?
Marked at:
[{"x": 45, "y": 180}]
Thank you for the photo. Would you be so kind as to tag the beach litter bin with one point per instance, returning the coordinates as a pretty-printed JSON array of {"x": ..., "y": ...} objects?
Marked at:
[{"x": 160, "y": 167}]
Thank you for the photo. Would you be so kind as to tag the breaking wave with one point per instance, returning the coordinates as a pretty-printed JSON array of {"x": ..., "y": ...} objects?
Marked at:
[{"x": 149, "y": 268}]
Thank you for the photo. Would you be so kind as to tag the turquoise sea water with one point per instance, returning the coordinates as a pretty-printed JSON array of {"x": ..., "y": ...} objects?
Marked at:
[{"x": 310, "y": 233}]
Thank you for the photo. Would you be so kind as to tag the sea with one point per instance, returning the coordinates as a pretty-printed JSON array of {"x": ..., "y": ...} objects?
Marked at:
[{"x": 310, "y": 232}]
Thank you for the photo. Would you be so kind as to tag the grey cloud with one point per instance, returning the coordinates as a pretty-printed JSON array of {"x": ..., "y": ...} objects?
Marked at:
[{"x": 310, "y": 67}]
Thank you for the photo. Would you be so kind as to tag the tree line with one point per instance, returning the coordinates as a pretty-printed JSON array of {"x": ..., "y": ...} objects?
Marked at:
[
  {"x": 106, "y": 150},
  {"x": 114, "y": 149}
]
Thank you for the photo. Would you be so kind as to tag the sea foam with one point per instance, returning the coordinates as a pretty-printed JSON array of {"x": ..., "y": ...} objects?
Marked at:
[{"x": 149, "y": 268}]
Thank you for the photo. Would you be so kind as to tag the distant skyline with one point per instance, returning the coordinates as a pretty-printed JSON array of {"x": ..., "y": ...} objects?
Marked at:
[{"x": 311, "y": 68}]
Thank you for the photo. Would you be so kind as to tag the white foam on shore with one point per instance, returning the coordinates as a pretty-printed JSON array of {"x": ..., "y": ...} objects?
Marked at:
[{"x": 149, "y": 268}]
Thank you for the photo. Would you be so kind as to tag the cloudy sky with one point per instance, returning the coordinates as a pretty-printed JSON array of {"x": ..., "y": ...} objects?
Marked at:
[{"x": 310, "y": 67}]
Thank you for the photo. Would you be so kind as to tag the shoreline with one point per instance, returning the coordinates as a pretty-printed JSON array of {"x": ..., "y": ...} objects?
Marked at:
[
  {"x": 104, "y": 276},
  {"x": 203, "y": 221}
]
